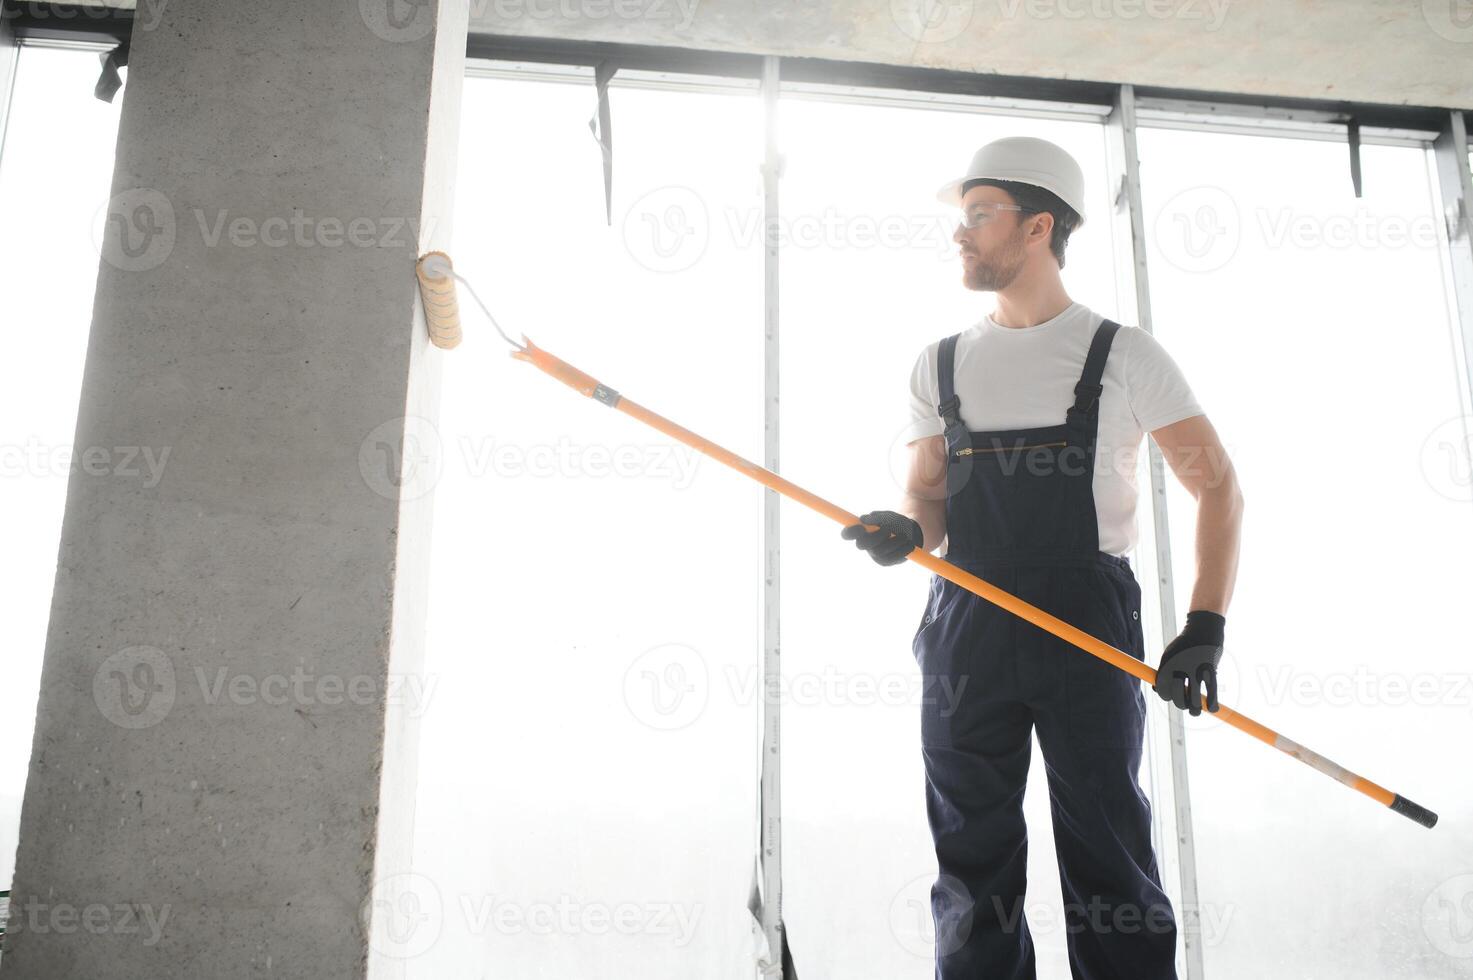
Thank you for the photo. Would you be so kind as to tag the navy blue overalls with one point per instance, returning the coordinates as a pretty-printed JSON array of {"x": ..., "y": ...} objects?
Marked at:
[{"x": 1020, "y": 514}]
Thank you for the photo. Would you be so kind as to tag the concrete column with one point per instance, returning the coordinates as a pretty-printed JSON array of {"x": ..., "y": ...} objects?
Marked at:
[{"x": 222, "y": 776}]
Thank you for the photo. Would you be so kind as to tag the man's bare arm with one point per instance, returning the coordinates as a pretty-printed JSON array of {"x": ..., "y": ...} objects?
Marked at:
[
  {"x": 1195, "y": 453},
  {"x": 925, "y": 489}
]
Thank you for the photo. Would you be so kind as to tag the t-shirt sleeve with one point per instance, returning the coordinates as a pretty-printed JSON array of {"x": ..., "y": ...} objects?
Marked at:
[
  {"x": 1154, "y": 385},
  {"x": 923, "y": 398}
]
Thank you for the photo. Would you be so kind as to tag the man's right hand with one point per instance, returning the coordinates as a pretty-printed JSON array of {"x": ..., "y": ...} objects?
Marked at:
[{"x": 897, "y": 537}]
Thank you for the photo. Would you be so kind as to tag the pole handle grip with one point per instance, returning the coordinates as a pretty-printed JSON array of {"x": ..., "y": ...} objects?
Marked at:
[{"x": 1407, "y": 808}]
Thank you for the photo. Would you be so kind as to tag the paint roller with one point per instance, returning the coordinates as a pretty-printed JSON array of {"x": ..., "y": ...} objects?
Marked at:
[
  {"x": 437, "y": 289},
  {"x": 437, "y": 296},
  {"x": 437, "y": 278}
]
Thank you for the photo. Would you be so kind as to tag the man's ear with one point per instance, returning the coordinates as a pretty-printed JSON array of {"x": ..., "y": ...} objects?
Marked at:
[{"x": 1042, "y": 226}]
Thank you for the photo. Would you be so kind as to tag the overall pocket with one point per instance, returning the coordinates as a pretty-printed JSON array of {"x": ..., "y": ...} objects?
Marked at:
[
  {"x": 1128, "y": 601},
  {"x": 932, "y": 611}
]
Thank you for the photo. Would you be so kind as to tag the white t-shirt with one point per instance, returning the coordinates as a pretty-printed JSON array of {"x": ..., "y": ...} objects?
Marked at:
[{"x": 1021, "y": 378}]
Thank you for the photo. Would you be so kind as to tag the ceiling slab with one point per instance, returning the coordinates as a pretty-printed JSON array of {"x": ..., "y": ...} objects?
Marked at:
[{"x": 1391, "y": 52}]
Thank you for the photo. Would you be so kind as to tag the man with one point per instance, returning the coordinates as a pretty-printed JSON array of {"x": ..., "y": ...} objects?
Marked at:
[{"x": 1025, "y": 430}]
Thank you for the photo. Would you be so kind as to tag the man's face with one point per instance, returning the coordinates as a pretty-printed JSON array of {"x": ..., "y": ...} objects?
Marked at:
[{"x": 993, "y": 253}]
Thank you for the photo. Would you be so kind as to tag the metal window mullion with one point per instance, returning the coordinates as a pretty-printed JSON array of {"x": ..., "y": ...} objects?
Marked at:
[
  {"x": 1134, "y": 289},
  {"x": 1450, "y": 152},
  {"x": 9, "y": 60},
  {"x": 770, "y": 785}
]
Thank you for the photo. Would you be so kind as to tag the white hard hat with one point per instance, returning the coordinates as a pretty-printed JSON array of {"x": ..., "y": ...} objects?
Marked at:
[{"x": 1028, "y": 161}]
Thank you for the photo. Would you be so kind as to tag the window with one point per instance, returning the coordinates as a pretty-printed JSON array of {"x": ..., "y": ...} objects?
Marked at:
[
  {"x": 54, "y": 180},
  {"x": 870, "y": 275},
  {"x": 1314, "y": 330},
  {"x": 586, "y": 790}
]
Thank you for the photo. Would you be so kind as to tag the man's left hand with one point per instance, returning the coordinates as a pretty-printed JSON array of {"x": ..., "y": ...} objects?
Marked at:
[{"x": 1189, "y": 663}]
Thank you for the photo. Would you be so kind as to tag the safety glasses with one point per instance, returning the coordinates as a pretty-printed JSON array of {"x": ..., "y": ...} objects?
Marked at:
[{"x": 976, "y": 215}]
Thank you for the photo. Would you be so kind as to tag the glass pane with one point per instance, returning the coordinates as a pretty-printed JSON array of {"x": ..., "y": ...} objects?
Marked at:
[
  {"x": 54, "y": 181},
  {"x": 870, "y": 276},
  {"x": 587, "y": 782},
  {"x": 1315, "y": 331}
]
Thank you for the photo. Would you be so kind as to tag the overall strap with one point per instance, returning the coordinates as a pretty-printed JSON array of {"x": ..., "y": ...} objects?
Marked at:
[
  {"x": 949, "y": 407},
  {"x": 1087, "y": 391}
]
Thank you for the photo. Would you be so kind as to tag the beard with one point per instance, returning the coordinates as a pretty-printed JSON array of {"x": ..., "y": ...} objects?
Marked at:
[{"x": 990, "y": 273}]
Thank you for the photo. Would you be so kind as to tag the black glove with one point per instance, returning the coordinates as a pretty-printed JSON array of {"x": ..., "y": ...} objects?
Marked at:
[
  {"x": 897, "y": 537},
  {"x": 1190, "y": 661}
]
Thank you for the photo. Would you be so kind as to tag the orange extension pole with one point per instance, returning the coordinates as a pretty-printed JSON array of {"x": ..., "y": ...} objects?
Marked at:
[{"x": 590, "y": 387}]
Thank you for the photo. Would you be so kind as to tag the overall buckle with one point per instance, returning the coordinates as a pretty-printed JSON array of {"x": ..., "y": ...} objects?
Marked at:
[{"x": 1093, "y": 391}]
